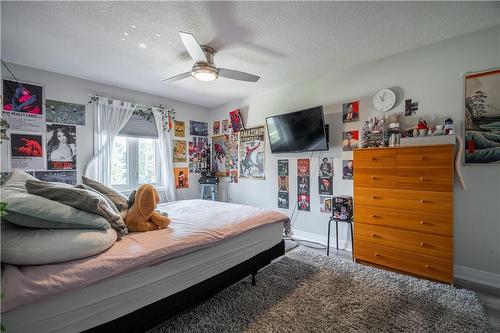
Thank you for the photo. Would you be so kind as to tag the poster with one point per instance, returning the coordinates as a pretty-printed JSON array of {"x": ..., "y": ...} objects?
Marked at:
[
  {"x": 350, "y": 112},
  {"x": 219, "y": 155},
  {"x": 66, "y": 176},
  {"x": 347, "y": 169},
  {"x": 216, "y": 127},
  {"x": 303, "y": 184},
  {"x": 22, "y": 105},
  {"x": 61, "y": 147},
  {"x": 252, "y": 152},
  {"x": 179, "y": 129},
  {"x": 350, "y": 140},
  {"x": 226, "y": 125},
  {"x": 236, "y": 120},
  {"x": 482, "y": 118},
  {"x": 64, "y": 113},
  {"x": 232, "y": 157},
  {"x": 179, "y": 151},
  {"x": 325, "y": 176},
  {"x": 181, "y": 177},
  {"x": 325, "y": 204},
  {"x": 198, "y": 128},
  {"x": 27, "y": 151},
  {"x": 199, "y": 154},
  {"x": 283, "y": 185}
]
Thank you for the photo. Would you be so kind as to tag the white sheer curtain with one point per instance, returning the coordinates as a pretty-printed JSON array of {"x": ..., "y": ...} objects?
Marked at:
[
  {"x": 109, "y": 118},
  {"x": 166, "y": 155}
]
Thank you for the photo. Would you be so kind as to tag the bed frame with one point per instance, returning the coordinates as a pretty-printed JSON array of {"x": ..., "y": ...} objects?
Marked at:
[{"x": 153, "y": 314}]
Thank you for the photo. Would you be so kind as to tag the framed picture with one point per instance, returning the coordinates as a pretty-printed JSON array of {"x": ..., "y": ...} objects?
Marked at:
[
  {"x": 350, "y": 140},
  {"x": 219, "y": 155},
  {"x": 179, "y": 129},
  {"x": 350, "y": 112},
  {"x": 252, "y": 153},
  {"x": 181, "y": 177},
  {"x": 180, "y": 151},
  {"x": 27, "y": 151},
  {"x": 198, "y": 128},
  {"x": 22, "y": 105},
  {"x": 64, "y": 113},
  {"x": 482, "y": 118},
  {"x": 61, "y": 147}
]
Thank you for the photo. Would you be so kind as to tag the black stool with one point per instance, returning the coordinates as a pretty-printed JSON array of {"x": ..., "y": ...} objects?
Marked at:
[{"x": 337, "y": 235}]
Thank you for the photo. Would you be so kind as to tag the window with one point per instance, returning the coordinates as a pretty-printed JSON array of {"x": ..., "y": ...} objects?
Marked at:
[{"x": 135, "y": 161}]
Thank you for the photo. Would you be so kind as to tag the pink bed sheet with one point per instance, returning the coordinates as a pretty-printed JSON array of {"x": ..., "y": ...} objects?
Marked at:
[{"x": 195, "y": 224}]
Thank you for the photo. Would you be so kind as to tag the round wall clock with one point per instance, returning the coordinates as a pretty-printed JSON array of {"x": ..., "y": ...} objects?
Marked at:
[{"x": 384, "y": 100}]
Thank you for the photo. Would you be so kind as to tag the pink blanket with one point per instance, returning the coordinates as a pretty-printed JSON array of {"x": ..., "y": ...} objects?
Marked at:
[{"x": 195, "y": 224}]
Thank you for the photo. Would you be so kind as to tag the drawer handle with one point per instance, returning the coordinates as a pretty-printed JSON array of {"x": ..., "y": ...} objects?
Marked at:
[
  {"x": 422, "y": 201},
  {"x": 421, "y": 179},
  {"x": 378, "y": 255},
  {"x": 422, "y": 222},
  {"x": 374, "y": 216},
  {"x": 373, "y": 177},
  {"x": 374, "y": 197},
  {"x": 375, "y": 236},
  {"x": 374, "y": 159},
  {"x": 427, "y": 267},
  {"x": 423, "y": 244},
  {"x": 422, "y": 158}
]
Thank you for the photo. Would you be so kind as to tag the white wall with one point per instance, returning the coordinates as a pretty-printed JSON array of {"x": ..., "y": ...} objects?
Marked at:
[
  {"x": 75, "y": 90},
  {"x": 432, "y": 76}
]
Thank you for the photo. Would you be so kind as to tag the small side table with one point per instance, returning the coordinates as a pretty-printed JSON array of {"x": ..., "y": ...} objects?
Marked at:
[{"x": 337, "y": 234}]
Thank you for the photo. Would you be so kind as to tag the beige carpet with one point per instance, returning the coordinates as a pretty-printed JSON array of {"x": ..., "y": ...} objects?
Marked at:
[{"x": 307, "y": 292}]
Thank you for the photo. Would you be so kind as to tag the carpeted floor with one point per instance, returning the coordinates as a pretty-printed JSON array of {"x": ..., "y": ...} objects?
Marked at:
[{"x": 307, "y": 292}]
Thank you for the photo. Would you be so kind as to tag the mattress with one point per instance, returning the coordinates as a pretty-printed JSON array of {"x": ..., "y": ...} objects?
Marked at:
[{"x": 80, "y": 309}]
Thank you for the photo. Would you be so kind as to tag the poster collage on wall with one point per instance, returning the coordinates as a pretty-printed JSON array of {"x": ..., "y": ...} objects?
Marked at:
[
  {"x": 325, "y": 183},
  {"x": 303, "y": 184},
  {"x": 42, "y": 133},
  {"x": 283, "y": 184}
]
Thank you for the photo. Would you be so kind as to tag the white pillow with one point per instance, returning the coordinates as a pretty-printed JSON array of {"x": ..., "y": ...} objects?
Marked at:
[
  {"x": 37, "y": 212},
  {"x": 26, "y": 246}
]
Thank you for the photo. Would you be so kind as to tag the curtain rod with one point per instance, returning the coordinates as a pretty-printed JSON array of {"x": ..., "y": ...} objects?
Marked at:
[{"x": 94, "y": 97}]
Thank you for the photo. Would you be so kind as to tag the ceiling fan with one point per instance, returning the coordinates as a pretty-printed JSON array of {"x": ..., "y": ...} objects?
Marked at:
[{"x": 204, "y": 68}]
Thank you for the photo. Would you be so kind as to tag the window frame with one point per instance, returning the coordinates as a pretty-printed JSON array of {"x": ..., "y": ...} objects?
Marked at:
[{"x": 132, "y": 144}]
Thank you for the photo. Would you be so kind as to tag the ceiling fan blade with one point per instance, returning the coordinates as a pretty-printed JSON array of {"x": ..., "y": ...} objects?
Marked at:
[
  {"x": 177, "y": 77},
  {"x": 236, "y": 75},
  {"x": 193, "y": 47}
]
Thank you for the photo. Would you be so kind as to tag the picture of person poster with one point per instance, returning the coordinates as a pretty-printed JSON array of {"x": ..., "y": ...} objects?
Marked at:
[
  {"x": 325, "y": 204},
  {"x": 179, "y": 129},
  {"x": 283, "y": 200},
  {"x": 236, "y": 120},
  {"x": 181, "y": 177},
  {"x": 482, "y": 118},
  {"x": 325, "y": 185},
  {"x": 226, "y": 126},
  {"x": 23, "y": 105},
  {"x": 252, "y": 152},
  {"x": 216, "y": 127},
  {"x": 27, "y": 151},
  {"x": 347, "y": 169},
  {"x": 66, "y": 176},
  {"x": 303, "y": 185},
  {"x": 232, "y": 157},
  {"x": 64, "y": 113},
  {"x": 179, "y": 151},
  {"x": 303, "y": 202},
  {"x": 283, "y": 167},
  {"x": 219, "y": 155},
  {"x": 61, "y": 147},
  {"x": 198, "y": 128},
  {"x": 283, "y": 184},
  {"x": 303, "y": 167},
  {"x": 325, "y": 167},
  {"x": 350, "y": 140},
  {"x": 350, "y": 112},
  {"x": 199, "y": 154}
]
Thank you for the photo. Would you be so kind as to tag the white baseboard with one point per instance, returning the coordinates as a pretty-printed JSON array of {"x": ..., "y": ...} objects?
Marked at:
[
  {"x": 460, "y": 272},
  {"x": 477, "y": 276},
  {"x": 309, "y": 236}
]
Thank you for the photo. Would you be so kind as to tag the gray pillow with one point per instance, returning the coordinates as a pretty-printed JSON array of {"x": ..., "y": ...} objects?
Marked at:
[
  {"x": 80, "y": 198},
  {"x": 37, "y": 212},
  {"x": 27, "y": 246},
  {"x": 116, "y": 197}
]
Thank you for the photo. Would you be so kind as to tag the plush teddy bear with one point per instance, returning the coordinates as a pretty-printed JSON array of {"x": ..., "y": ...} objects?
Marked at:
[{"x": 141, "y": 216}]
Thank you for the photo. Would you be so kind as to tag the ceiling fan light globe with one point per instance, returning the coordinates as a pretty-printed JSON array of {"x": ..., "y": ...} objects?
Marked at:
[{"x": 205, "y": 75}]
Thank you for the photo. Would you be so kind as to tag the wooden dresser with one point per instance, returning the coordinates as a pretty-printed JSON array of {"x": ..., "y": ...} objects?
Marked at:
[{"x": 403, "y": 209}]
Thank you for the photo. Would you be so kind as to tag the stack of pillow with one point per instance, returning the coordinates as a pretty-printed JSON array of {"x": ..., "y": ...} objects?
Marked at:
[{"x": 54, "y": 222}]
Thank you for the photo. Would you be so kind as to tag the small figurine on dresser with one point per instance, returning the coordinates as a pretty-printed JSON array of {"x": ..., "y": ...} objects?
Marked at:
[
  {"x": 438, "y": 130},
  {"x": 422, "y": 127},
  {"x": 448, "y": 126}
]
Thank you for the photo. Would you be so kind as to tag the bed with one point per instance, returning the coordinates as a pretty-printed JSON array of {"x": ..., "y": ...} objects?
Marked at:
[{"x": 145, "y": 277}]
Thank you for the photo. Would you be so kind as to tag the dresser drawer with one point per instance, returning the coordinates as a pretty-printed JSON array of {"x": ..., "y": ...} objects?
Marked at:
[
  {"x": 425, "y": 157},
  {"x": 374, "y": 180},
  {"x": 432, "y": 245},
  {"x": 440, "y": 224},
  {"x": 425, "y": 179},
  {"x": 367, "y": 158},
  {"x": 406, "y": 261},
  {"x": 407, "y": 200}
]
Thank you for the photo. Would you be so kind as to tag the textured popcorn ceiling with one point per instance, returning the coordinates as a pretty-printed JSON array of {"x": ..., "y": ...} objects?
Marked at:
[{"x": 282, "y": 42}]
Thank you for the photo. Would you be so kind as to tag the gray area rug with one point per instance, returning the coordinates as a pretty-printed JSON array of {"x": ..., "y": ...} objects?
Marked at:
[{"x": 308, "y": 292}]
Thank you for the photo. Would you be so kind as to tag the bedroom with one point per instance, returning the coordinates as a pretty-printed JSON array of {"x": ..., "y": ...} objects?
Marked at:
[{"x": 96, "y": 71}]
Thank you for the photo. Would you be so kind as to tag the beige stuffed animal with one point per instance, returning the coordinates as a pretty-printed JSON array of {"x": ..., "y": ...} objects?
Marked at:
[{"x": 142, "y": 215}]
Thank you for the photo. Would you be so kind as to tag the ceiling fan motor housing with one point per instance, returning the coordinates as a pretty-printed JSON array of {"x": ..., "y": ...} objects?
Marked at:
[{"x": 208, "y": 68}]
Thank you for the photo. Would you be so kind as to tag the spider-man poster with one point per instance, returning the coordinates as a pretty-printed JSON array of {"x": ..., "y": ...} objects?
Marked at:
[
  {"x": 22, "y": 105},
  {"x": 27, "y": 151},
  {"x": 252, "y": 153}
]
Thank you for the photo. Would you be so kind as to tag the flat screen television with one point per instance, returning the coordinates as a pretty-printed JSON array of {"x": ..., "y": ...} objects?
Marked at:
[{"x": 298, "y": 131}]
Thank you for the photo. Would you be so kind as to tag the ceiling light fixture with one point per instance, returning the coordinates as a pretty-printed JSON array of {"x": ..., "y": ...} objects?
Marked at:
[{"x": 204, "y": 72}]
